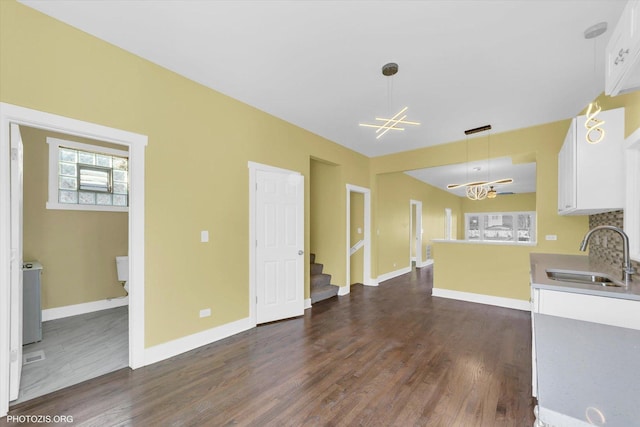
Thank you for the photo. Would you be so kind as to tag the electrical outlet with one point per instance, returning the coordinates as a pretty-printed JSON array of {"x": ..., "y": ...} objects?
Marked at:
[
  {"x": 206, "y": 312},
  {"x": 204, "y": 236},
  {"x": 551, "y": 237}
]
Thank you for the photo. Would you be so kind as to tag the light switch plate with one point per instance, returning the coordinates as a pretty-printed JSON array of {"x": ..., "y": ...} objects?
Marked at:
[
  {"x": 551, "y": 237},
  {"x": 204, "y": 236}
]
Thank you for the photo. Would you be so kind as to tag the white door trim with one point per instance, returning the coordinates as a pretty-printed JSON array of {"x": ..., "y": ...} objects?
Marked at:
[
  {"x": 136, "y": 142},
  {"x": 418, "y": 236},
  {"x": 253, "y": 168},
  {"x": 366, "y": 276}
]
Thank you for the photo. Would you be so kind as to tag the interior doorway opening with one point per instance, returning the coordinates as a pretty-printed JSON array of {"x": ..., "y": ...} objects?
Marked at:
[
  {"x": 362, "y": 243},
  {"x": 415, "y": 235},
  {"x": 12, "y": 116}
]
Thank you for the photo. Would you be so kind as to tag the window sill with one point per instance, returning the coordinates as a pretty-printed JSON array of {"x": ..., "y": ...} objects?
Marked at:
[
  {"x": 95, "y": 208},
  {"x": 486, "y": 242}
]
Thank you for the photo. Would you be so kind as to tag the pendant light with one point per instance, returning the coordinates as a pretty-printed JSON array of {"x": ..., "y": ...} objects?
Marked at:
[
  {"x": 594, "y": 133},
  {"x": 479, "y": 190},
  {"x": 384, "y": 125}
]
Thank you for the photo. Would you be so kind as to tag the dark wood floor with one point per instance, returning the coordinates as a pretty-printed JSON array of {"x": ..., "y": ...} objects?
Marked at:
[{"x": 385, "y": 356}]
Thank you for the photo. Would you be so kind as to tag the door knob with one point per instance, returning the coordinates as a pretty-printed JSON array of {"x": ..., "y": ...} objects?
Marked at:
[{"x": 300, "y": 252}]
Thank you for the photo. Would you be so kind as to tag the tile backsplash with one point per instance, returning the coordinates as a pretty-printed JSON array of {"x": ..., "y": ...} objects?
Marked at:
[{"x": 606, "y": 245}]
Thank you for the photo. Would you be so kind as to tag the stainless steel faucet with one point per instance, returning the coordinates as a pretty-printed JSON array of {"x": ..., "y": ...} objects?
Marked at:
[{"x": 627, "y": 269}]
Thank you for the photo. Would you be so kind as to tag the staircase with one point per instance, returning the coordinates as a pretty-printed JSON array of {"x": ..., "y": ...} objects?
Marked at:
[{"x": 321, "y": 287}]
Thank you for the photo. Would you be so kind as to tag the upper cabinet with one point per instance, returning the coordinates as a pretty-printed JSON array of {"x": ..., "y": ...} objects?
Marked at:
[
  {"x": 591, "y": 176},
  {"x": 632, "y": 208},
  {"x": 623, "y": 52}
]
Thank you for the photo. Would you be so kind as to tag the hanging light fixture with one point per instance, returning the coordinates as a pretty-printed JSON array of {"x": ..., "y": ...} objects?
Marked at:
[
  {"x": 385, "y": 125},
  {"x": 479, "y": 190},
  {"x": 595, "y": 133}
]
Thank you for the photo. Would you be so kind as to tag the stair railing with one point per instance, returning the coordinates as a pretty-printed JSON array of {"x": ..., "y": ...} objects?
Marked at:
[{"x": 355, "y": 247}]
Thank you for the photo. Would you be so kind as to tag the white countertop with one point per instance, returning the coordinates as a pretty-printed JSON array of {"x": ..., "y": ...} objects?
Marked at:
[
  {"x": 580, "y": 263},
  {"x": 484, "y": 242}
]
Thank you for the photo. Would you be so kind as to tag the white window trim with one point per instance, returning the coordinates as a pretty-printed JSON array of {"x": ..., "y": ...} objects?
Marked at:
[
  {"x": 54, "y": 145},
  {"x": 534, "y": 225}
]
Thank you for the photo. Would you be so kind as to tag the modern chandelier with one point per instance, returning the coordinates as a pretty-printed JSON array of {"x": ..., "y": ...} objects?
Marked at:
[
  {"x": 595, "y": 133},
  {"x": 384, "y": 125},
  {"x": 479, "y": 190}
]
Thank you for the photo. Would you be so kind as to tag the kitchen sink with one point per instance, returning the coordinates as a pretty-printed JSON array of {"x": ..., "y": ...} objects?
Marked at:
[{"x": 581, "y": 277}]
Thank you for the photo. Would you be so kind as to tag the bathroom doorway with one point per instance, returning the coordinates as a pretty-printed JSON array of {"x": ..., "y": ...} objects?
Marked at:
[
  {"x": 75, "y": 225},
  {"x": 10, "y": 332}
]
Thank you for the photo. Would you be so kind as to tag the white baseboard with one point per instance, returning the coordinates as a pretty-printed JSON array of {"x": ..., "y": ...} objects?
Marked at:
[
  {"x": 307, "y": 303},
  {"x": 424, "y": 263},
  {"x": 517, "y": 304},
  {"x": 371, "y": 282},
  {"x": 344, "y": 290},
  {"x": 169, "y": 349},
  {"x": 87, "y": 307},
  {"x": 392, "y": 274}
]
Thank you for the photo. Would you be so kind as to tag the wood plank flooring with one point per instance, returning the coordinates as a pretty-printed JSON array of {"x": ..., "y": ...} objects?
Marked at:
[{"x": 382, "y": 356}]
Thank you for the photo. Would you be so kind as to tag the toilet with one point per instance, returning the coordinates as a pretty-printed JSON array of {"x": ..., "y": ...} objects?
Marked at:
[{"x": 122, "y": 265}]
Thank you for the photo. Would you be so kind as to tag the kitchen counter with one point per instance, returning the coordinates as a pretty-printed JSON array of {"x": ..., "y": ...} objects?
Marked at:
[{"x": 580, "y": 263}]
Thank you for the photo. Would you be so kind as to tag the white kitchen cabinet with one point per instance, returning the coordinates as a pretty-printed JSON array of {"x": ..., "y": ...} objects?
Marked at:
[
  {"x": 618, "y": 312},
  {"x": 575, "y": 339},
  {"x": 591, "y": 176},
  {"x": 622, "y": 72},
  {"x": 632, "y": 207}
]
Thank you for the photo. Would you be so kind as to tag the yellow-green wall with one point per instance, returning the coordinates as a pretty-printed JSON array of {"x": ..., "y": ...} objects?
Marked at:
[
  {"x": 196, "y": 162},
  {"x": 76, "y": 248},
  {"x": 395, "y": 192},
  {"x": 356, "y": 222}
]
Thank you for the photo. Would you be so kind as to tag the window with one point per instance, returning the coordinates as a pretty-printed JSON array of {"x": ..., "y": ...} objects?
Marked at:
[
  {"x": 87, "y": 177},
  {"x": 515, "y": 227}
]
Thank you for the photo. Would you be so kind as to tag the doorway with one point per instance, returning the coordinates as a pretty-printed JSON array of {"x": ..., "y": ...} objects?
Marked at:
[
  {"x": 415, "y": 235},
  {"x": 74, "y": 305},
  {"x": 10, "y": 295},
  {"x": 364, "y": 242}
]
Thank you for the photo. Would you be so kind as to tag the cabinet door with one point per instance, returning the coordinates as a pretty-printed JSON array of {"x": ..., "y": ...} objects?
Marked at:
[
  {"x": 615, "y": 57},
  {"x": 600, "y": 167},
  {"x": 623, "y": 52},
  {"x": 567, "y": 172}
]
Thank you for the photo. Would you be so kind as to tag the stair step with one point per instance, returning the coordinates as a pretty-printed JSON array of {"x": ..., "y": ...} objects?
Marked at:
[
  {"x": 320, "y": 280},
  {"x": 323, "y": 292},
  {"x": 313, "y": 258},
  {"x": 316, "y": 268}
]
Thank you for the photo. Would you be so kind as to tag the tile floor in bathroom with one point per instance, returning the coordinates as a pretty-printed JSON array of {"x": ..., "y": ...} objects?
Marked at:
[{"x": 76, "y": 349}]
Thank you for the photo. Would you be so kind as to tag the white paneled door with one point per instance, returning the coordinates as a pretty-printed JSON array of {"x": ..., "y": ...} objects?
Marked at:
[
  {"x": 15, "y": 368},
  {"x": 279, "y": 245}
]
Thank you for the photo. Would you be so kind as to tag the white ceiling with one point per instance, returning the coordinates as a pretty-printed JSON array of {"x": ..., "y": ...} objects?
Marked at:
[
  {"x": 523, "y": 175},
  {"x": 317, "y": 64}
]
